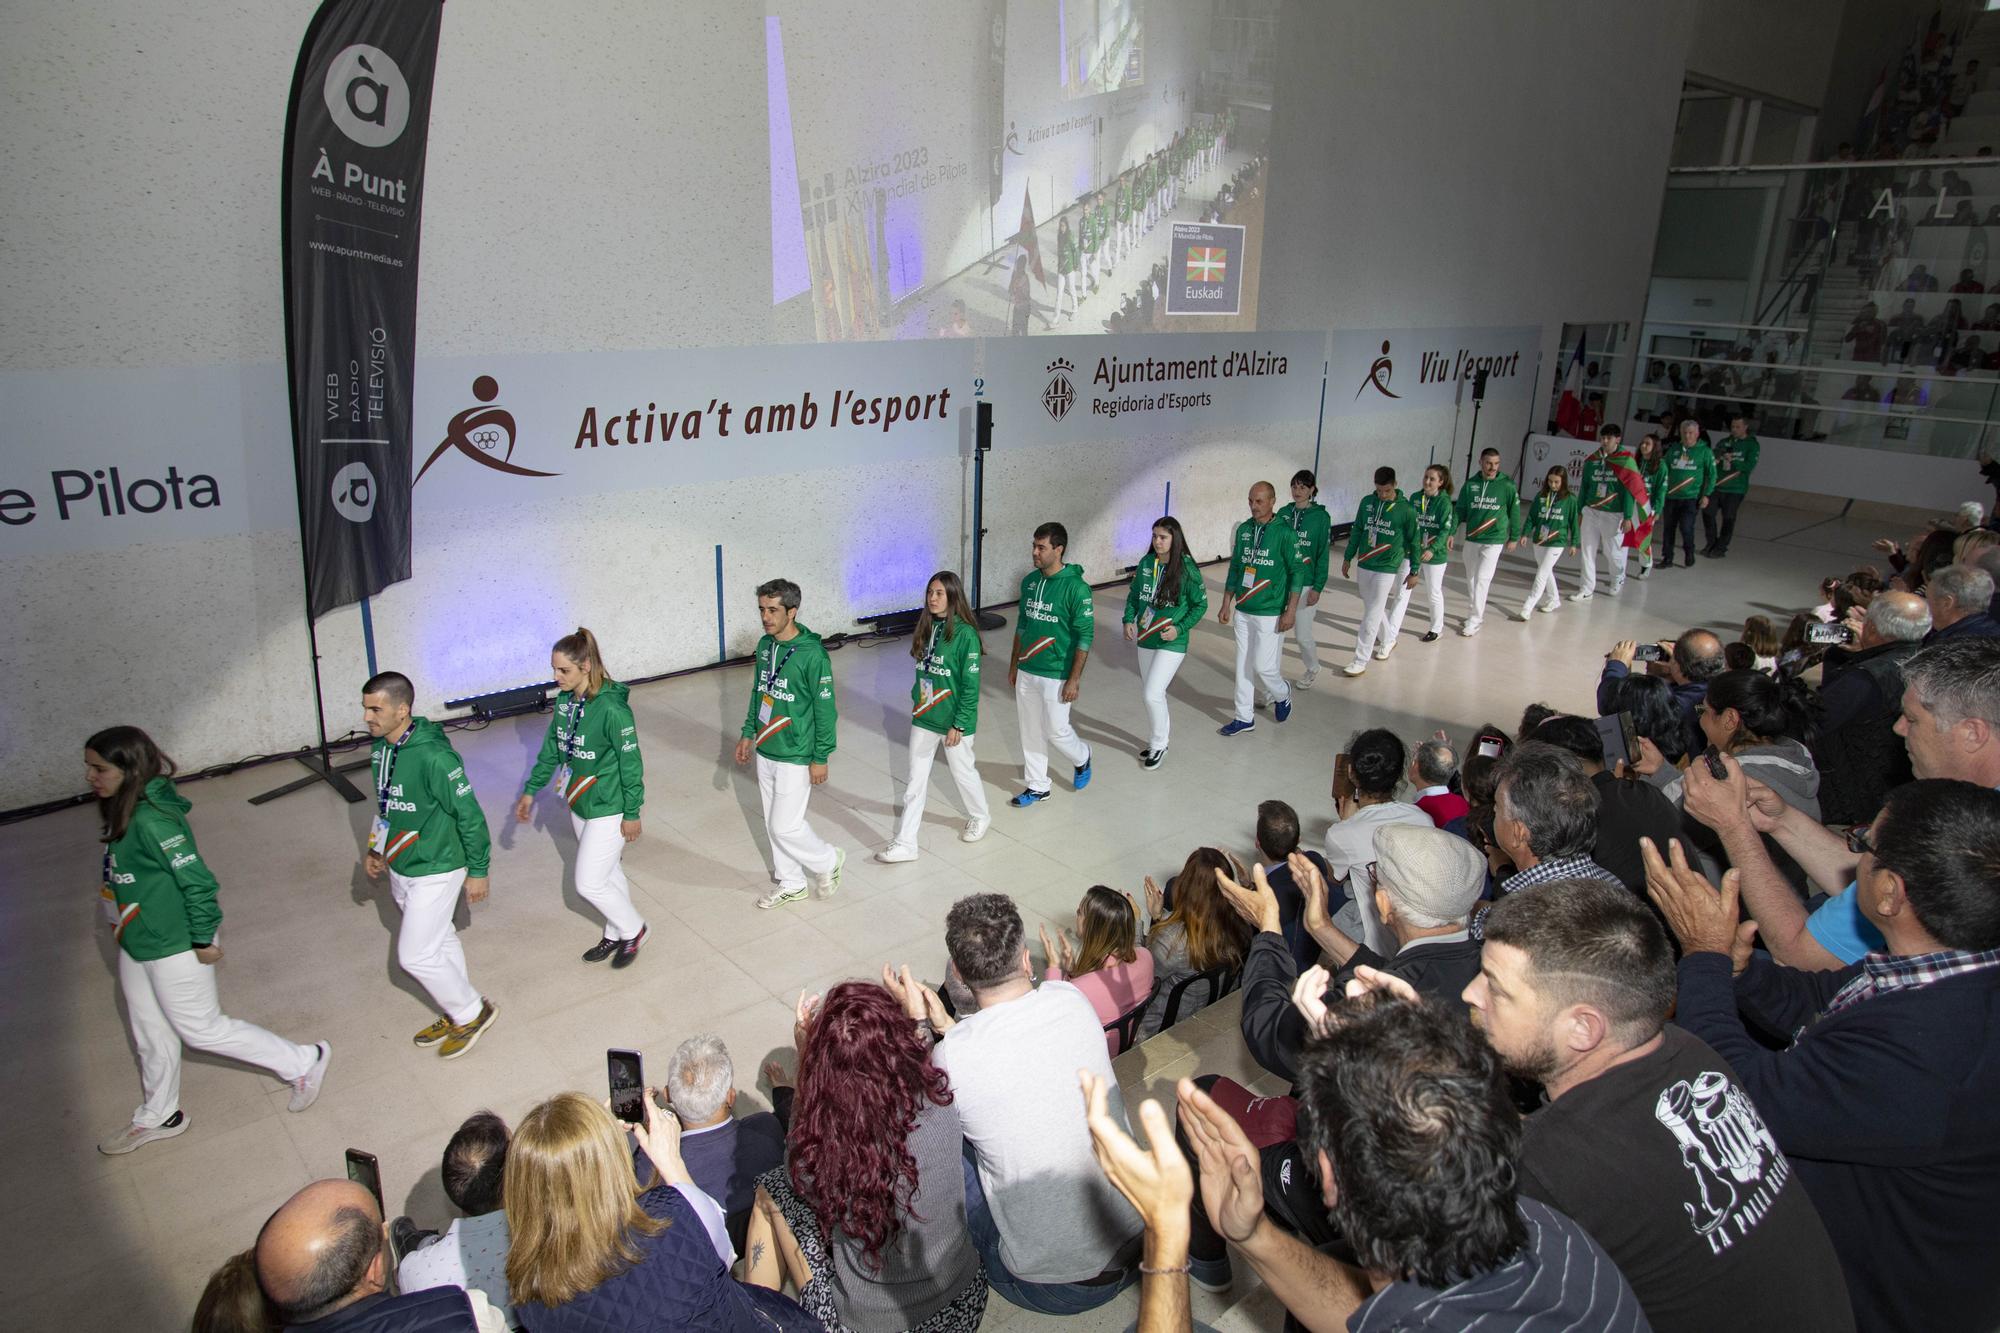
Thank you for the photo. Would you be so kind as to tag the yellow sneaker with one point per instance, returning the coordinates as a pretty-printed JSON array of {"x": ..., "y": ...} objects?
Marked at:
[
  {"x": 462, "y": 1038},
  {"x": 433, "y": 1034}
]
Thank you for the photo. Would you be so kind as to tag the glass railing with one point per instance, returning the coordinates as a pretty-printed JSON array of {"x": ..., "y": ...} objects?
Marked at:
[{"x": 1858, "y": 305}]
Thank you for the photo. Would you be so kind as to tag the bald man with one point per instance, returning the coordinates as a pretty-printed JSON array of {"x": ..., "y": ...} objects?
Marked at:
[
  {"x": 320, "y": 1262},
  {"x": 1265, "y": 578}
]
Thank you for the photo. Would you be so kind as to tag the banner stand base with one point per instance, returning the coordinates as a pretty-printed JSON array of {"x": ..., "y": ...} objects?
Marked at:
[{"x": 319, "y": 769}]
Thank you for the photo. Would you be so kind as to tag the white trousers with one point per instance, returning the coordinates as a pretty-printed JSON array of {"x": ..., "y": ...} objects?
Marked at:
[
  {"x": 1544, "y": 593},
  {"x": 795, "y": 849},
  {"x": 924, "y": 746},
  {"x": 1376, "y": 590},
  {"x": 1600, "y": 534},
  {"x": 1156, "y": 671},
  {"x": 427, "y": 946},
  {"x": 1044, "y": 727},
  {"x": 1433, "y": 577},
  {"x": 600, "y": 874},
  {"x": 1481, "y": 559},
  {"x": 1259, "y": 647},
  {"x": 172, "y": 1000},
  {"x": 1066, "y": 285},
  {"x": 1304, "y": 632}
]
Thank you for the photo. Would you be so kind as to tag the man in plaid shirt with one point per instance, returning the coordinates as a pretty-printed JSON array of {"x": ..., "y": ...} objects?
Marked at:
[{"x": 1884, "y": 1100}]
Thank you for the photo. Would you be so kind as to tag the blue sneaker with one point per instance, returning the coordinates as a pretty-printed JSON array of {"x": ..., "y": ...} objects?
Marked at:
[
  {"x": 1083, "y": 776},
  {"x": 1237, "y": 726},
  {"x": 1281, "y": 710},
  {"x": 1211, "y": 1275},
  {"x": 1029, "y": 797}
]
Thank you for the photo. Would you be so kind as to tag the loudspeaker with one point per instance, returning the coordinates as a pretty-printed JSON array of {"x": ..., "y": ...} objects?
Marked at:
[
  {"x": 982, "y": 426},
  {"x": 1479, "y": 387}
]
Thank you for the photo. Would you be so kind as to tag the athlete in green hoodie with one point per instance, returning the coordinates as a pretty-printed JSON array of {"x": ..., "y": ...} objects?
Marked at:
[
  {"x": 1052, "y": 638},
  {"x": 592, "y": 751},
  {"x": 1735, "y": 460},
  {"x": 1690, "y": 482},
  {"x": 1164, "y": 604},
  {"x": 1606, "y": 511},
  {"x": 1261, "y": 598},
  {"x": 944, "y": 711},
  {"x": 1437, "y": 519},
  {"x": 790, "y": 729},
  {"x": 1384, "y": 540},
  {"x": 1067, "y": 264},
  {"x": 1313, "y": 527},
  {"x": 160, "y": 898},
  {"x": 1552, "y": 527},
  {"x": 1490, "y": 510},
  {"x": 430, "y": 837}
]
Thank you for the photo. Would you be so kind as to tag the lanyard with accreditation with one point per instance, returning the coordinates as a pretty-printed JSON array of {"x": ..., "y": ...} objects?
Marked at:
[
  {"x": 1252, "y": 585},
  {"x": 378, "y": 833},
  {"x": 931, "y": 696},
  {"x": 569, "y": 736},
  {"x": 765, "y": 703}
]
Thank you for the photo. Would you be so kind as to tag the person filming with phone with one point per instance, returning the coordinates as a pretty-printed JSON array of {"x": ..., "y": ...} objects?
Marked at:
[
  {"x": 1692, "y": 660},
  {"x": 1859, "y": 755}
]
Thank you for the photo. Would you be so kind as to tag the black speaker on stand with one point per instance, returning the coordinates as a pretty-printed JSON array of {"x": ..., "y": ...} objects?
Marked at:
[
  {"x": 982, "y": 443},
  {"x": 1478, "y": 398}
]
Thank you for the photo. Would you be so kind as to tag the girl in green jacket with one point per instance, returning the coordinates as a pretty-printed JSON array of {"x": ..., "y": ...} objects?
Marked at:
[
  {"x": 1165, "y": 602},
  {"x": 592, "y": 751},
  {"x": 1552, "y": 527},
  {"x": 1653, "y": 467},
  {"x": 160, "y": 899},
  {"x": 944, "y": 710},
  {"x": 1437, "y": 519}
]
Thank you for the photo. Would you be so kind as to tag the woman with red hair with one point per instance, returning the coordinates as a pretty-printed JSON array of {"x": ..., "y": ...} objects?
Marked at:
[{"x": 867, "y": 1217}]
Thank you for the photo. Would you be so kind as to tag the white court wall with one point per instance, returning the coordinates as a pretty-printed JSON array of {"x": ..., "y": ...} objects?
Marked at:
[{"x": 596, "y": 181}]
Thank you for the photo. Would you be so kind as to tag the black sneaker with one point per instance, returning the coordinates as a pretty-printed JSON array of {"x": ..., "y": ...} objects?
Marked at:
[
  {"x": 1152, "y": 758},
  {"x": 1431, "y": 637},
  {"x": 628, "y": 950},
  {"x": 405, "y": 1236},
  {"x": 600, "y": 951}
]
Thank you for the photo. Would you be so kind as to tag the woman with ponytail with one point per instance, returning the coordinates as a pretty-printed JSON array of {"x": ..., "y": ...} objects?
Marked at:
[
  {"x": 944, "y": 711},
  {"x": 160, "y": 898},
  {"x": 592, "y": 753},
  {"x": 1162, "y": 607}
]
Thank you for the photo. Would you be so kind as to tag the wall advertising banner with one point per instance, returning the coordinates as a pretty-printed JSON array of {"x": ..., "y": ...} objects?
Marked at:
[
  {"x": 354, "y": 176},
  {"x": 1392, "y": 370}
]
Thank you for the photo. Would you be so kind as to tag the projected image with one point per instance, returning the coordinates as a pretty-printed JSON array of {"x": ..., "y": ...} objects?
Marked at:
[
  {"x": 1067, "y": 166},
  {"x": 1102, "y": 46}
]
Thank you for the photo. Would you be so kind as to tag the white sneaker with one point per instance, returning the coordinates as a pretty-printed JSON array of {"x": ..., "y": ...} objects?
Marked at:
[
  {"x": 1521, "y": 615},
  {"x": 1353, "y": 669},
  {"x": 1468, "y": 629},
  {"x": 138, "y": 1136},
  {"x": 894, "y": 853},
  {"x": 1549, "y": 608},
  {"x": 1305, "y": 682},
  {"x": 1382, "y": 651},
  {"x": 1581, "y": 597},
  {"x": 1615, "y": 588},
  {"x": 305, "y": 1088},
  {"x": 974, "y": 830},
  {"x": 781, "y": 895},
  {"x": 829, "y": 883}
]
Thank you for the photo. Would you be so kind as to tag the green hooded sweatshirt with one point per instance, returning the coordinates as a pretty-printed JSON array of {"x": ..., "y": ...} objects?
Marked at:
[
  {"x": 1552, "y": 519},
  {"x": 792, "y": 717},
  {"x": 1490, "y": 510},
  {"x": 601, "y": 751},
  {"x": 1690, "y": 472},
  {"x": 1384, "y": 535},
  {"x": 1264, "y": 568},
  {"x": 1056, "y": 622},
  {"x": 1144, "y": 608},
  {"x": 1735, "y": 460},
  {"x": 164, "y": 891},
  {"x": 1313, "y": 526},
  {"x": 1437, "y": 519},
  {"x": 1599, "y": 487},
  {"x": 435, "y": 823},
  {"x": 946, "y": 692}
]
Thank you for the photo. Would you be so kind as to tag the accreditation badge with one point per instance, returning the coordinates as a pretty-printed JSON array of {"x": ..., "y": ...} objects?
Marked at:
[
  {"x": 378, "y": 835},
  {"x": 1145, "y": 619},
  {"x": 764, "y": 706},
  {"x": 1249, "y": 578},
  {"x": 562, "y": 780}
]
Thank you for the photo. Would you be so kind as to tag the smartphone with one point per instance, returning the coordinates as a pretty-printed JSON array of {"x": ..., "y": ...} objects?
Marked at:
[
  {"x": 1490, "y": 746},
  {"x": 1343, "y": 778},
  {"x": 1716, "y": 768},
  {"x": 1649, "y": 652},
  {"x": 1823, "y": 633},
  {"x": 628, "y": 1085},
  {"x": 364, "y": 1170},
  {"x": 1619, "y": 738}
]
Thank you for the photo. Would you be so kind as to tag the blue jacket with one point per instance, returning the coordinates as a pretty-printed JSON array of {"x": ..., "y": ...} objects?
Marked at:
[
  {"x": 726, "y": 1161},
  {"x": 1886, "y": 1109},
  {"x": 678, "y": 1284}
]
